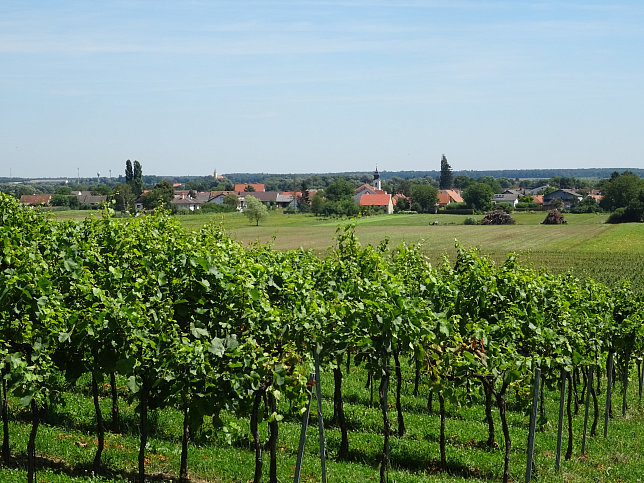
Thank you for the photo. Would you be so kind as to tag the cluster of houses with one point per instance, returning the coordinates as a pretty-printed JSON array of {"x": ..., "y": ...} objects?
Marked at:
[
  {"x": 375, "y": 196},
  {"x": 183, "y": 199},
  {"x": 568, "y": 197},
  {"x": 366, "y": 195},
  {"x": 188, "y": 200},
  {"x": 85, "y": 198}
]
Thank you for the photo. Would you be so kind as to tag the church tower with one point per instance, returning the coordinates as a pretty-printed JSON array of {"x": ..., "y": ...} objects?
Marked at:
[{"x": 376, "y": 180}]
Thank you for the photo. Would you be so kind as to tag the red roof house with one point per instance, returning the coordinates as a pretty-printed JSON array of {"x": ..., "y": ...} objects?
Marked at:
[
  {"x": 259, "y": 187},
  {"x": 379, "y": 200},
  {"x": 445, "y": 197},
  {"x": 35, "y": 200}
]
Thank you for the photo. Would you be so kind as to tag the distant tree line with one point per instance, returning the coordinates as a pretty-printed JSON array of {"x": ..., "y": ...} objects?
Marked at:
[
  {"x": 514, "y": 174},
  {"x": 623, "y": 193}
]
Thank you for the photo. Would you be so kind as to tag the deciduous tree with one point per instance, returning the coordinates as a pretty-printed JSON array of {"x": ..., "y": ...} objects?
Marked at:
[
  {"x": 423, "y": 198},
  {"x": 317, "y": 203},
  {"x": 231, "y": 200},
  {"x": 478, "y": 196},
  {"x": 161, "y": 194},
  {"x": 621, "y": 190},
  {"x": 255, "y": 210},
  {"x": 123, "y": 197},
  {"x": 339, "y": 189}
]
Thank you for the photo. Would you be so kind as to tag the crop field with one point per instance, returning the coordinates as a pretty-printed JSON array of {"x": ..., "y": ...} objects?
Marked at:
[{"x": 585, "y": 246}]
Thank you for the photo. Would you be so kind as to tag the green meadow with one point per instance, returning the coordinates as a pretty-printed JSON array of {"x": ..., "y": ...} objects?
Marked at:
[{"x": 586, "y": 246}]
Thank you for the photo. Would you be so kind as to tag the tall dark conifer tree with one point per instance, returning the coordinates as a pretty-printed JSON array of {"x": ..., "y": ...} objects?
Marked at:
[
  {"x": 129, "y": 173},
  {"x": 137, "y": 181},
  {"x": 447, "y": 178}
]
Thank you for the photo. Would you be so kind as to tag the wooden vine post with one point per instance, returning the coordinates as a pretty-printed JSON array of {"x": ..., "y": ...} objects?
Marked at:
[
  {"x": 318, "y": 393},
  {"x": 305, "y": 425},
  {"x": 562, "y": 399},
  {"x": 533, "y": 423}
]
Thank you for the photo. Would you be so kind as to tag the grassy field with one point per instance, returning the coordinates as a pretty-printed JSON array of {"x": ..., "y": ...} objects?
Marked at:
[
  {"x": 585, "y": 246},
  {"x": 66, "y": 444}
]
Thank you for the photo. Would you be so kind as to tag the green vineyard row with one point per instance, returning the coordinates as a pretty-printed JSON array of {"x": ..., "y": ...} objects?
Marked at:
[{"x": 195, "y": 321}]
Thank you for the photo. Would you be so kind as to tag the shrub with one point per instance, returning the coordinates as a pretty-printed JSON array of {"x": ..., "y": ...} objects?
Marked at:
[
  {"x": 521, "y": 206},
  {"x": 630, "y": 214},
  {"x": 215, "y": 208},
  {"x": 507, "y": 207},
  {"x": 587, "y": 205},
  {"x": 456, "y": 206},
  {"x": 470, "y": 221},
  {"x": 617, "y": 216}
]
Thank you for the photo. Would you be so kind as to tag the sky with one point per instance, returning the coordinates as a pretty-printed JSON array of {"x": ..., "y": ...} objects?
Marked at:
[{"x": 296, "y": 86}]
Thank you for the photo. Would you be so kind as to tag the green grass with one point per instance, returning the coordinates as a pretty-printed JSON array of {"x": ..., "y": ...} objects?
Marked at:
[
  {"x": 586, "y": 246},
  {"x": 65, "y": 445}
]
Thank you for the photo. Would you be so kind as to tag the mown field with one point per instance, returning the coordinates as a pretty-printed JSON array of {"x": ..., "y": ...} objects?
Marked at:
[{"x": 585, "y": 246}]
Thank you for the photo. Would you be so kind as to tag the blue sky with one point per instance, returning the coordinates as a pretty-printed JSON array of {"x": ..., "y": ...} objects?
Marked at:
[{"x": 187, "y": 87}]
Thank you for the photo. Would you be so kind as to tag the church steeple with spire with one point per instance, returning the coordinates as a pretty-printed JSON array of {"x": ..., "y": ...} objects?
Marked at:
[{"x": 376, "y": 180}]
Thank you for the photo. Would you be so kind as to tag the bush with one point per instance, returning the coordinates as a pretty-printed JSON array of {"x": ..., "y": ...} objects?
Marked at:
[
  {"x": 462, "y": 211},
  {"x": 402, "y": 205},
  {"x": 587, "y": 205},
  {"x": 527, "y": 206},
  {"x": 507, "y": 207},
  {"x": 470, "y": 221},
  {"x": 617, "y": 216},
  {"x": 60, "y": 200},
  {"x": 630, "y": 214},
  {"x": 215, "y": 208},
  {"x": 456, "y": 206},
  {"x": 370, "y": 210}
]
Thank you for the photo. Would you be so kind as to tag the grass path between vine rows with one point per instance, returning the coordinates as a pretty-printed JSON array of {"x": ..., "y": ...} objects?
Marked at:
[{"x": 66, "y": 444}]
